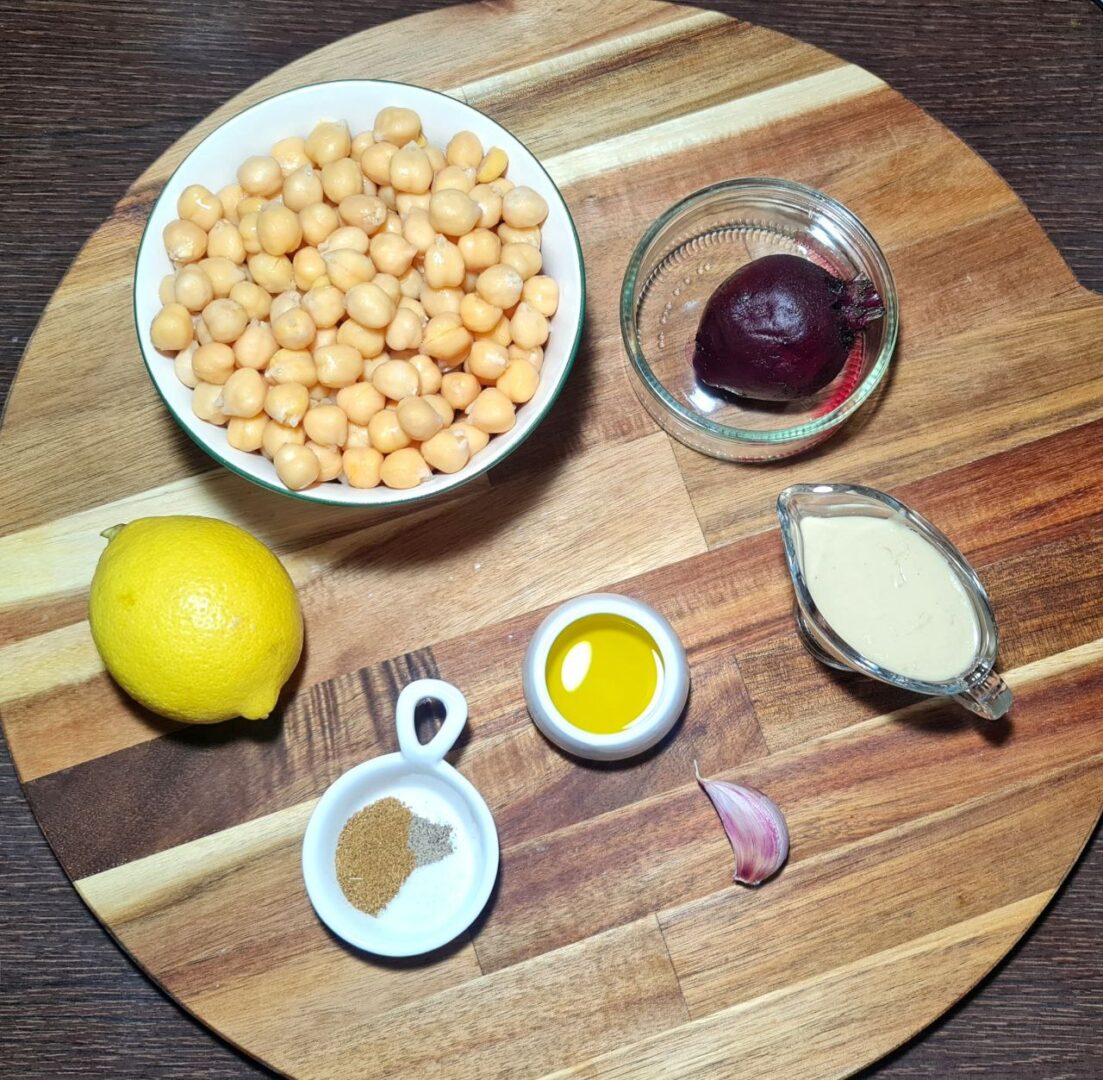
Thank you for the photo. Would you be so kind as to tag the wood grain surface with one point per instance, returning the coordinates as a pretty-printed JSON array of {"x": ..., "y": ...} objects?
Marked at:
[{"x": 904, "y": 886}]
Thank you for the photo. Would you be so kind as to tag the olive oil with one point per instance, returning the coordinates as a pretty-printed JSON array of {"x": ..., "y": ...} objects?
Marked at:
[{"x": 603, "y": 672}]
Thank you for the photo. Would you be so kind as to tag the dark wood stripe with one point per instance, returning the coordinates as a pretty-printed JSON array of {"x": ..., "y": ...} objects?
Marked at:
[{"x": 199, "y": 779}]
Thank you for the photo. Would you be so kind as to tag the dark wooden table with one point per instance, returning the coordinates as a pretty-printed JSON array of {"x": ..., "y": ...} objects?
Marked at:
[{"x": 92, "y": 92}]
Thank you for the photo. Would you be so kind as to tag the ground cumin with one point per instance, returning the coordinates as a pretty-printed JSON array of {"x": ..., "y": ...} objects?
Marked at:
[{"x": 373, "y": 856}]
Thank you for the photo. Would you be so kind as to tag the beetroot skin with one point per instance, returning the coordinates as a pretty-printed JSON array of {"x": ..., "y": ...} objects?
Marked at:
[{"x": 781, "y": 328}]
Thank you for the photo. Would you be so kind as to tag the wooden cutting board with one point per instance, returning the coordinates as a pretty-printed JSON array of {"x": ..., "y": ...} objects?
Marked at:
[{"x": 615, "y": 944}]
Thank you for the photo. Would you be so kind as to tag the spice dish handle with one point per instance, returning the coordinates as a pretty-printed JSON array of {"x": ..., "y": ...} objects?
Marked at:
[{"x": 455, "y": 716}]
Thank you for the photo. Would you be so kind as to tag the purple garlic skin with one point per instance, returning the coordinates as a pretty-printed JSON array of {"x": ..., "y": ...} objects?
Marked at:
[{"x": 781, "y": 328}]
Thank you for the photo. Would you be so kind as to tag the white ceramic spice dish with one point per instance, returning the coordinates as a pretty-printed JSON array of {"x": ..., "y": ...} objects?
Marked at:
[
  {"x": 439, "y": 901},
  {"x": 649, "y": 728}
]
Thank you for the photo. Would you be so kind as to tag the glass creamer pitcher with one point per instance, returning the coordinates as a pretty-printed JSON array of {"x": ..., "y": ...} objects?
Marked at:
[{"x": 975, "y": 685}]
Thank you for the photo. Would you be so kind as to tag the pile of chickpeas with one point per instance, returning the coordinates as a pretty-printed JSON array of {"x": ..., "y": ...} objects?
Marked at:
[{"x": 365, "y": 309}]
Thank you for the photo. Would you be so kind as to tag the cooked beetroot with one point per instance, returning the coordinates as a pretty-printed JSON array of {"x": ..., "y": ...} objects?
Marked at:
[{"x": 781, "y": 328}]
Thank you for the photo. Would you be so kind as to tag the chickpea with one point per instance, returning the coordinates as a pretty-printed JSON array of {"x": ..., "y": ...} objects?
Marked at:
[
  {"x": 199, "y": 205},
  {"x": 321, "y": 395},
  {"x": 447, "y": 451},
  {"x": 290, "y": 153},
  {"x": 441, "y": 407},
  {"x": 326, "y": 424},
  {"x": 396, "y": 379},
  {"x": 418, "y": 230},
  {"x": 519, "y": 381},
  {"x": 166, "y": 291},
  {"x": 524, "y": 258},
  {"x": 278, "y": 229},
  {"x": 205, "y": 399},
  {"x": 362, "y": 466},
  {"x": 251, "y": 204},
  {"x": 404, "y": 469},
  {"x": 328, "y": 141},
  {"x": 522, "y": 208},
  {"x": 272, "y": 272},
  {"x": 222, "y": 274},
  {"x": 394, "y": 222},
  {"x": 502, "y": 186},
  {"x": 347, "y": 268},
  {"x": 396, "y": 125},
  {"x": 338, "y": 365},
  {"x": 246, "y": 432},
  {"x": 185, "y": 241},
  {"x": 341, "y": 178},
  {"x": 375, "y": 162},
  {"x": 480, "y": 249},
  {"x": 193, "y": 288},
  {"x": 359, "y": 437},
  {"x": 411, "y": 284},
  {"x": 286, "y": 403},
  {"x": 404, "y": 331},
  {"x": 214, "y": 363},
  {"x": 441, "y": 301},
  {"x": 408, "y": 303},
  {"x": 388, "y": 195},
  {"x": 247, "y": 230},
  {"x": 367, "y": 342},
  {"x": 225, "y": 319},
  {"x": 325, "y": 336},
  {"x": 535, "y": 357},
  {"x": 288, "y": 299},
  {"x": 224, "y": 241},
  {"x": 428, "y": 374},
  {"x": 509, "y": 235},
  {"x": 360, "y": 143},
  {"x": 325, "y": 304},
  {"x": 454, "y": 178},
  {"x": 182, "y": 366},
  {"x": 464, "y": 150},
  {"x": 405, "y": 201},
  {"x": 489, "y": 203},
  {"x": 199, "y": 329},
  {"x": 260, "y": 175},
  {"x": 476, "y": 437},
  {"x": 411, "y": 170},
  {"x": 347, "y": 236},
  {"x": 501, "y": 333},
  {"x": 318, "y": 221},
  {"x": 418, "y": 419},
  {"x": 307, "y": 266},
  {"x": 243, "y": 393},
  {"x": 391, "y": 253},
  {"x": 302, "y": 188},
  {"x": 478, "y": 316},
  {"x": 296, "y": 466},
  {"x": 528, "y": 326},
  {"x": 386, "y": 432},
  {"x": 256, "y": 346},
  {"x": 366, "y": 212},
  {"x": 276, "y": 435},
  {"x": 291, "y": 366},
  {"x": 229, "y": 197},
  {"x": 492, "y": 411},
  {"x": 500, "y": 285},
  {"x": 459, "y": 388},
  {"x": 487, "y": 361},
  {"x": 452, "y": 212},
  {"x": 369, "y": 305},
  {"x": 542, "y": 293},
  {"x": 256, "y": 301},
  {"x": 444, "y": 266},
  {"x": 493, "y": 164},
  {"x": 329, "y": 461},
  {"x": 360, "y": 401},
  {"x": 294, "y": 329},
  {"x": 446, "y": 339}
]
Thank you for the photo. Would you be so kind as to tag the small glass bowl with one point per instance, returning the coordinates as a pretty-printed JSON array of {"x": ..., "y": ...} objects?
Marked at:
[{"x": 681, "y": 260}]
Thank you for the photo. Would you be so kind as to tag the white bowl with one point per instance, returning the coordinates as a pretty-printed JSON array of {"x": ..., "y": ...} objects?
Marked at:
[
  {"x": 214, "y": 163},
  {"x": 439, "y": 901},
  {"x": 646, "y": 730}
]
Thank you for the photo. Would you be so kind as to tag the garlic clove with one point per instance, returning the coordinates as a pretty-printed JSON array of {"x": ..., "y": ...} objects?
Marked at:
[{"x": 755, "y": 828}]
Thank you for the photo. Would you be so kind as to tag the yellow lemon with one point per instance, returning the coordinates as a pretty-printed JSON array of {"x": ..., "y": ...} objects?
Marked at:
[{"x": 195, "y": 618}]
